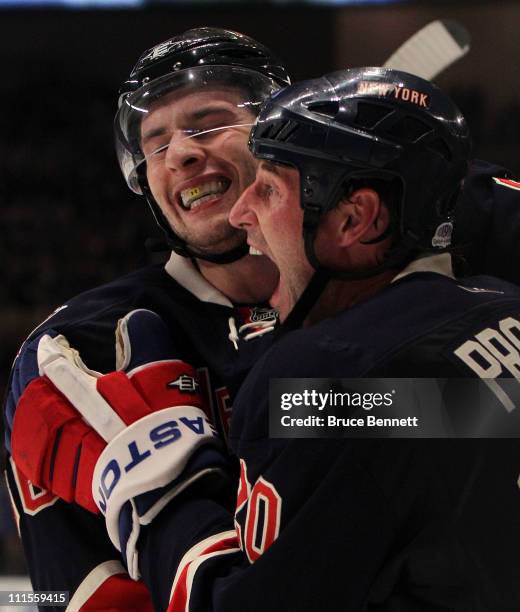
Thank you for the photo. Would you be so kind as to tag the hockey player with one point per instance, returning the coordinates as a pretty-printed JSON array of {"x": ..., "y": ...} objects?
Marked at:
[
  {"x": 181, "y": 134},
  {"x": 198, "y": 314},
  {"x": 329, "y": 524}
]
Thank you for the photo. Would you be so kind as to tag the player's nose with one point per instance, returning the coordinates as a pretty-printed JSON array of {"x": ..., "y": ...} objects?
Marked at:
[
  {"x": 242, "y": 215},
  {"x": 184, "y": 153}
]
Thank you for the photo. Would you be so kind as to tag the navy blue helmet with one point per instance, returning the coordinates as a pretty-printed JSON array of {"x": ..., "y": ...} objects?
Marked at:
[{"x": 367, "y": 124}]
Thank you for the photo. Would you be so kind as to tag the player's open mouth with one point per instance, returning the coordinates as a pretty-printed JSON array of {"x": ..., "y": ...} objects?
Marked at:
[{"x": 196, "y": 195}]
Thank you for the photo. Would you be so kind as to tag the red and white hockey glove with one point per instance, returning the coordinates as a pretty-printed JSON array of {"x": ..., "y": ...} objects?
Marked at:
[{"x": 129, "y": 441}]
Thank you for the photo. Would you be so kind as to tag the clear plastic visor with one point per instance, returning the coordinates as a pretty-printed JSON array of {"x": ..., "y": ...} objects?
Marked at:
[{"x": 199, "y": 102}]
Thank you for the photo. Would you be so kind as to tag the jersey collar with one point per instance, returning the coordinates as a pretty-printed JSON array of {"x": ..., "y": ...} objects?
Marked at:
[
  {"x": 186, "y": 274},
  {"x": 439, "y": 264}
]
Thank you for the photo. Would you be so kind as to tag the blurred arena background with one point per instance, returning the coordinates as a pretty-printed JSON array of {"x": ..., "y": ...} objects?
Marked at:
[{"x": 67, "y": 220}]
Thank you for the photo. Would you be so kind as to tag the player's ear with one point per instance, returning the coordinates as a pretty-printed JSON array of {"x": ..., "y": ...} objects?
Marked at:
[{"x": 362, "y": 217}]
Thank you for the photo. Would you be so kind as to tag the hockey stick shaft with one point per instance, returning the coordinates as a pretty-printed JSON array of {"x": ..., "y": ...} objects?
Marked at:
[{"x": 432, "y": 49}]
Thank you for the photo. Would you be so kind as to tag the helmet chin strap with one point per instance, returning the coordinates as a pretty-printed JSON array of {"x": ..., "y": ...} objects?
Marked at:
[
  {"x": 175, "y": 243},
  {"x": 397, "y": 257},
  {"x": 305, "y": 303},
  {"x": 157, "y": 245},
  {"x": 218, "y": 258}
]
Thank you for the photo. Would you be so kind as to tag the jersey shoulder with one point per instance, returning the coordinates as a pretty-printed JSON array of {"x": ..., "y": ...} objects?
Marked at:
[
  {"x": 89, "y": 319},
  {"x": 418, "y": 305},
  {"x": 410, "y": 330},
  {"x": 488, "y": 221},
  {"x": 146, "y": 285}
]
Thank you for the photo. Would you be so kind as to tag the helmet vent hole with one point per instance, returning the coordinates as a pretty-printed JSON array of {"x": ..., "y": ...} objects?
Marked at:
[
  {"x": 287, "y": 131},
  {"x": 328, "y": 109},
  {"x": 267, "y": 130},
  {"x": 368, "y": 115},
  {"x": 278, "y": 130}
]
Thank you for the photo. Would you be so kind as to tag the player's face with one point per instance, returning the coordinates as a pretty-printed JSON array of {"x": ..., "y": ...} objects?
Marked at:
[
  {"x": 196, "y": 180},
  {"x": 270, "y": 212}
]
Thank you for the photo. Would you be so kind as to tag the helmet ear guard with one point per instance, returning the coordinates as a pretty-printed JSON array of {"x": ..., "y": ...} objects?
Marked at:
[{"x": 371, "y": 123}]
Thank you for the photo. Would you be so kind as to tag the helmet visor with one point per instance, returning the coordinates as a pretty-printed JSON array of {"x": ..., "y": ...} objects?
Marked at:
[{"x": 199, "y": 102}]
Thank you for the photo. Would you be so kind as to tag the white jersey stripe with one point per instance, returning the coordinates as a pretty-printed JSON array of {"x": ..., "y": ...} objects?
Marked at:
[
  {"x": 92, "y": 582},
  {"x": 191, "y": 562}
]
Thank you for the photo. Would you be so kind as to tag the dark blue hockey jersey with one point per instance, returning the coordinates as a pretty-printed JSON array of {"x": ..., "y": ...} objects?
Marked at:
[
  {"x": 358, "y": 524},
  {"x": 67, "y": 548}
]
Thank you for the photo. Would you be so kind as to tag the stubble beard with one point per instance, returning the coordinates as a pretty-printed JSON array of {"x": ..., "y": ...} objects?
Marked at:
[{"x": 220, "y": 239}]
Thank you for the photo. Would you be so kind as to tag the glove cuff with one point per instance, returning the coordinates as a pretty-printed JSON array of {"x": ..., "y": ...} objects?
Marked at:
[{"x": 136, "y": 461}]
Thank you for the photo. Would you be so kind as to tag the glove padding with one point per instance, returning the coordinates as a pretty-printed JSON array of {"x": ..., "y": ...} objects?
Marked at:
[{"x": 159, "y": 437}]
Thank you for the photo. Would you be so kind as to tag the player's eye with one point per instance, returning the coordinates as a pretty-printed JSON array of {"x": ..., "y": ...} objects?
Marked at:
[
  {"x": 156, "y": 146},
  {"x": 159, "y": 151},
  {"x": 207, "y": 132},
  {"x": 212, "y": 129},
  {"x": 266, "y": 191}
]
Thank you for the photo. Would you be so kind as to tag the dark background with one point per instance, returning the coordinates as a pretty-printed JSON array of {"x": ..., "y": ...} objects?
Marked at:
[{"x": 67, "y": 220}]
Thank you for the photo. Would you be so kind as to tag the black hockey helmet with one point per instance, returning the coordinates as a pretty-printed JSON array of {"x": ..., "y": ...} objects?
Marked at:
[
  {"x": 365, "y": 124},
  {"x": 197, "y": 58}
]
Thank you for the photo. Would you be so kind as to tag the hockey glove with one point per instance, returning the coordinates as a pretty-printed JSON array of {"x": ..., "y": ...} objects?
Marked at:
[{"x": 151, "y": 415}]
